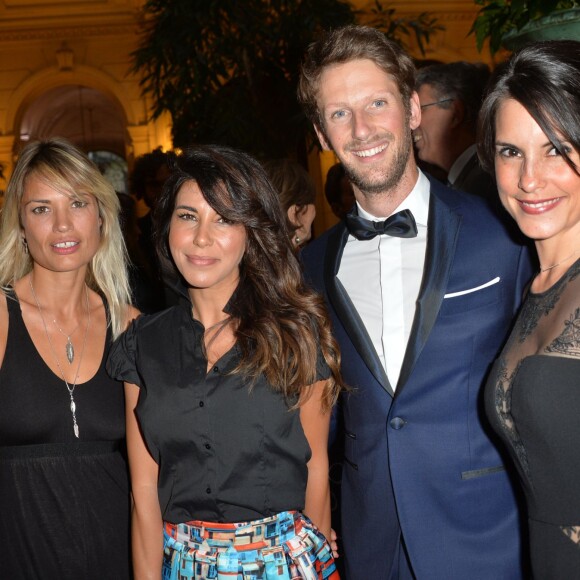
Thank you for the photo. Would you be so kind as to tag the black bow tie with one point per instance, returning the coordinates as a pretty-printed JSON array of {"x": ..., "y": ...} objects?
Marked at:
[{"x": 400, "y": 225}]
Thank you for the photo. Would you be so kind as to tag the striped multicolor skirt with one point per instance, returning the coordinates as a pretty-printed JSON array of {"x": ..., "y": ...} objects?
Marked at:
[{"x": 282, "y": 547}]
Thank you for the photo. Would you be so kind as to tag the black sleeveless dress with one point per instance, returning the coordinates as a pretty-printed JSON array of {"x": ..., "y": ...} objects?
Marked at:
[
  {"x": 64, "y": 502},
  {"x": 533, "y": 402}
]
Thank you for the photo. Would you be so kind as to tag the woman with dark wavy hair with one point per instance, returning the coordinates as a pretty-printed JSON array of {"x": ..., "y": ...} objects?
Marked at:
[
  {"x": 530, "y": 135},
  {"x": 229, "y": 393}
]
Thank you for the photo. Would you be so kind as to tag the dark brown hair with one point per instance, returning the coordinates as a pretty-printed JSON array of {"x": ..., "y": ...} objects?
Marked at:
[
  {"x": 282, "y": 324},
  {"x": 293, "y": 184},
  {"x": 545, "y": 79}
]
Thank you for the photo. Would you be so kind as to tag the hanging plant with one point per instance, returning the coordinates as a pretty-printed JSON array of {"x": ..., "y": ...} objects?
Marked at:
[
  {"x": 227, "y": 70},
  {"x": 496, "y": 18}
]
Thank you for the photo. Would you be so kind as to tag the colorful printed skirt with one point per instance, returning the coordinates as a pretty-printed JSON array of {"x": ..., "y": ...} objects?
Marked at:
[{"x": 282, "y": 547}]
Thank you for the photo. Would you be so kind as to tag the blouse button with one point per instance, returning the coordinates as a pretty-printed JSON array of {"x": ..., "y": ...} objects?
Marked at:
[
  {"x": 216, "y": 369},
  {"x": 201, "y": 403},
  {"x": 208, "y": 490},
  {"x": 207, "y": 446}
]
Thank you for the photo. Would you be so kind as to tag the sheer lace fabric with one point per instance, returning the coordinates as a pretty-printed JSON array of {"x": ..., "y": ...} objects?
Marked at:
[{"x": 533, "y": 400}]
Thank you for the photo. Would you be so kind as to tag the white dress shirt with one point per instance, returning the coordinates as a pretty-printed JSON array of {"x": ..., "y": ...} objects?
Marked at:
[{"x": 382, "y": 277}]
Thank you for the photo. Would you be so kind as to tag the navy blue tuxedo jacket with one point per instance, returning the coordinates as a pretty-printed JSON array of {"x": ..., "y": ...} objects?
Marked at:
[{"x": 420, "y": 462}]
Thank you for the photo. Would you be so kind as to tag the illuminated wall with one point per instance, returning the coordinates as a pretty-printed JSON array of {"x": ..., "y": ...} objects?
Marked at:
[{"x": 64, "y": 71}]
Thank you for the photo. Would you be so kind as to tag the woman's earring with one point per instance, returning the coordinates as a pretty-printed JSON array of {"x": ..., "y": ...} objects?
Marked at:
[
  {"x": 297, "y": 240},
  {"x": 25, "y": 244}
]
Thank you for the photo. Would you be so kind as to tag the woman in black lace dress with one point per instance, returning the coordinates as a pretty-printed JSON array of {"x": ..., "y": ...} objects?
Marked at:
[{"x": 530, "y": 125}]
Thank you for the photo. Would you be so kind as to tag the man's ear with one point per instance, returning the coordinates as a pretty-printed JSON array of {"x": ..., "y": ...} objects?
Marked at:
[
  {"x": 322, "y": 138},
  {"x": 415, "y": 109},
  {"x": 458, "y": 113}
]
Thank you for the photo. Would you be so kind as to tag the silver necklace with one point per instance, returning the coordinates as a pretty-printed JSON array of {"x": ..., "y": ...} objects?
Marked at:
[
  {"x": 69, "y": 348},
  {"x": 560, "y": 262},
  {"x": 73, "y": 407}
]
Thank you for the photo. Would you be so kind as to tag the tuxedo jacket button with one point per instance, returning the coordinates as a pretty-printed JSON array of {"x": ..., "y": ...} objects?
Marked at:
[{"x": 397, "y": 423}]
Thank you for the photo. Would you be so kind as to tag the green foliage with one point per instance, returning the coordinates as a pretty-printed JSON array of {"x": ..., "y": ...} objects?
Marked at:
[
  {"x": 400, "y": 28},
  {"x": 497, "y": 17},
  {"x": 227, "y": 70}
]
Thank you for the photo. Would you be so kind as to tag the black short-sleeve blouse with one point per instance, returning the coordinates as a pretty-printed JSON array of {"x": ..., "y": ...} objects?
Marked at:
[{"x": 225, "y": 453}]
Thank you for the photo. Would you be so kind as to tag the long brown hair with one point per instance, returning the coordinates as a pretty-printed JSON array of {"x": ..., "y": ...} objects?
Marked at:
[{"x": 282, "y": 324}]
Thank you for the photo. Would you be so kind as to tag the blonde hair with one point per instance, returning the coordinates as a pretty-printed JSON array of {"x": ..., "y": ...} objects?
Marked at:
[{"x": 68, "y": 170}]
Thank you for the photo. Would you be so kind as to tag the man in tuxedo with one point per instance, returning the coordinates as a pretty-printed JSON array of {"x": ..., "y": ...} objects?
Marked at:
[
  {"x": 422, "y": 285},
  {"x": 450, "y": 96}
]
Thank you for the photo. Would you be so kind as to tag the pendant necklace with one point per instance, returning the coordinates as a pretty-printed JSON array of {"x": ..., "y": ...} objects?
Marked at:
[
  {"x": 560, "y": 262},
  {"x": 70, "y": 349},
  {"x": 73, "y": 407}
]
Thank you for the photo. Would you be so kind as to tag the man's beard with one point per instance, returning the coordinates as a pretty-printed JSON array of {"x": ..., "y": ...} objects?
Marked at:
[{"x": 388, "y": 177}]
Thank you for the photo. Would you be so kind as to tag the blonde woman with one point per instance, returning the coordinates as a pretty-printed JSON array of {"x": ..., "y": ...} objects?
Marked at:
[{"x": 64, "y": 492}]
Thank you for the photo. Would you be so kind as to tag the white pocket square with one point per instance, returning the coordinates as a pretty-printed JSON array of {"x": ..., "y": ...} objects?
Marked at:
[{"x": 470, "y": 290}]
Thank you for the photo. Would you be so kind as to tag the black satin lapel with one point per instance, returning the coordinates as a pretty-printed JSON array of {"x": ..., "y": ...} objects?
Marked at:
[
  {"x": 347, "y": 313},
  {"x": 442, "y": 235}
]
